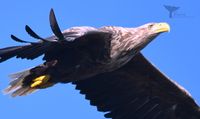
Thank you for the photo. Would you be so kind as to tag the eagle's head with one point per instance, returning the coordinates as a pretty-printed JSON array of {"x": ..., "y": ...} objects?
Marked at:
[
  {"x": 153, "y": 29},
  {"x": 131, "y": 41},
  {"x": 144, "y": 34}
]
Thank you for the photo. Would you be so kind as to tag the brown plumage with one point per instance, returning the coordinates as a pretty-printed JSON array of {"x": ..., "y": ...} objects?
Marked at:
[
  {"x": 138, "y": 91},
  {"x": 106, "y": 65}
]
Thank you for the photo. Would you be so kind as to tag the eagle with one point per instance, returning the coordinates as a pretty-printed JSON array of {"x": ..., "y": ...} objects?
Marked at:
[{"x": 107, "y": 66}]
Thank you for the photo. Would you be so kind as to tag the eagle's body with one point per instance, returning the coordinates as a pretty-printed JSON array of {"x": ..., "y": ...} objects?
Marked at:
[
  {"x": 107, "y": 66},
  {"x": 115, "y": 56},
  {"x": 69, "y": 63},
  {"x": 119, "y": 49}
]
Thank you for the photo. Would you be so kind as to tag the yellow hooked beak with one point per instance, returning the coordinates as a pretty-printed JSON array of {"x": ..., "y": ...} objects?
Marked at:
[{"x": 161, "y": 27}]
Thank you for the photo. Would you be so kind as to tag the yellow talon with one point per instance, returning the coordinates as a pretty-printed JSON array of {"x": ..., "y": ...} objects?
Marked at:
[
  {"x": 40, "y": 80},
  {"x": 36, "y": 84}
]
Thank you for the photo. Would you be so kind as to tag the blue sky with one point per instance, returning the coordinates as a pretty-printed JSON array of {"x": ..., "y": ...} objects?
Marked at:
[{"x": 175, "y": 53}]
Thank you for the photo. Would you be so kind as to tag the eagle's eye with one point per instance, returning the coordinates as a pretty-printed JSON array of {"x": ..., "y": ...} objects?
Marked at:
[{"x": 150, "y": 26}]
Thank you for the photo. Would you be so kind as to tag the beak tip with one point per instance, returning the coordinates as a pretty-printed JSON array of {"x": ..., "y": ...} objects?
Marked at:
[{"x": 163, "y": 27}]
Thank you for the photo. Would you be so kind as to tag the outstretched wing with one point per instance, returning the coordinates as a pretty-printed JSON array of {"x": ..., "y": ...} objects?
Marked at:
[
  {"x": 138, "y": 91},
  {"x": 88, "y": 38}
]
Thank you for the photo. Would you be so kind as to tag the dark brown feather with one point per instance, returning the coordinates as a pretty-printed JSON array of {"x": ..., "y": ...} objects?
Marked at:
[
  {"x": 138, "y": 91},
  {"x": 54, "y": 25}
]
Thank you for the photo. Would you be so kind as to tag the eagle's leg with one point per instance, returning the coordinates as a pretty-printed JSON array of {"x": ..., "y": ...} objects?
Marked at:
[{"x": 28, "y": 81}]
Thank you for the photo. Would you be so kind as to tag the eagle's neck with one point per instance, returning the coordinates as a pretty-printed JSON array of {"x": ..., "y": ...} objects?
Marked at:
[
  {"x": 121, "y": 46},
  {"x": 123, "y": 42}
]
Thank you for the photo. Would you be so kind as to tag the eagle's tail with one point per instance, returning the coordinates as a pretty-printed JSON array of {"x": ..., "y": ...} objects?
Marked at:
[{"x": 29, "y": 81}]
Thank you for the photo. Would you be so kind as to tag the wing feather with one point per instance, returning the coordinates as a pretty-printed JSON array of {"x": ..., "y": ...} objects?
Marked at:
[
  {"x": 85, "y": 39},
  {"x": 138, "y": 90}
]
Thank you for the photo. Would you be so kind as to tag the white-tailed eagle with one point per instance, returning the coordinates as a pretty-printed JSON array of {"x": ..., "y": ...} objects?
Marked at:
[{"x": 107, "y": 66}]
